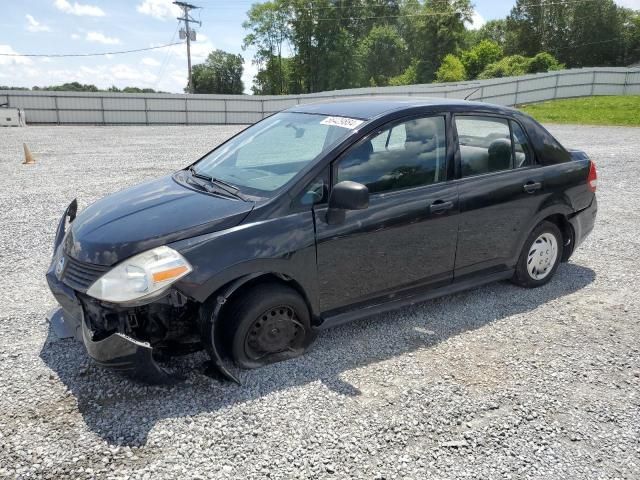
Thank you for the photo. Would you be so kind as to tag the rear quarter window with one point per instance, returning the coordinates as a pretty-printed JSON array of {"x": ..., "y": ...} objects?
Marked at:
[{"x": 548, "y": 149}]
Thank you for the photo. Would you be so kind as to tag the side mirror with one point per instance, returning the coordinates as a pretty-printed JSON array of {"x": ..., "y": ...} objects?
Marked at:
[{"x": 344, "y": 196}]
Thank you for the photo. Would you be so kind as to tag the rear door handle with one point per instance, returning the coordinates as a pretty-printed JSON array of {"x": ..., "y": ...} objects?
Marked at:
[
  {"x": 532, "y": 187},
  {"x": 439, "y": 206}
]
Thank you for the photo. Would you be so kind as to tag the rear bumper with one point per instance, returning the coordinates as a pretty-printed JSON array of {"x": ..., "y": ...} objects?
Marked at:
[{"x": 583, "y": 222}]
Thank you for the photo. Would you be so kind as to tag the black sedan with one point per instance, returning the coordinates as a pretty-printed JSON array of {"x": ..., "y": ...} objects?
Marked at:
[{"x": 313, "y": 217}]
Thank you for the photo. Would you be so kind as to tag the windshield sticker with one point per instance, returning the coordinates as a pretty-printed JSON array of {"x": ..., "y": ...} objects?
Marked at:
[{"x": 343, "y": 122}]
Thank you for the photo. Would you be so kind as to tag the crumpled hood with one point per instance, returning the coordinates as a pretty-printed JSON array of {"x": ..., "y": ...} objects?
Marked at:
[{"x": 147, "y": 216}]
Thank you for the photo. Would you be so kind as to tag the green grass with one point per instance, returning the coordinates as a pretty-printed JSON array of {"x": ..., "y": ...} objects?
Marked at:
[{"x": 614, "y": 110}]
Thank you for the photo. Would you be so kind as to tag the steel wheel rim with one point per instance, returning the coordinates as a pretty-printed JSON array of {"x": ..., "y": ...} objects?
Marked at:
[
  {"x": 542, "y": 256},
  {"x": 274, "y": 331}
]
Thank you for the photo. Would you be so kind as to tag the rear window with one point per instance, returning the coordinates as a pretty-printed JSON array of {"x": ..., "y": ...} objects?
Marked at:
[{"x": 548, "y": 149}]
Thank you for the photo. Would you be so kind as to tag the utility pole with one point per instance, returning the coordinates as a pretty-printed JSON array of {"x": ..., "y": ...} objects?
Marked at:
[{"x": 190, "y": 36}]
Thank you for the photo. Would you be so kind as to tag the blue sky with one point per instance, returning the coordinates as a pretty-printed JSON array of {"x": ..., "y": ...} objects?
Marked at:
[{"x": 87, "y": 26}]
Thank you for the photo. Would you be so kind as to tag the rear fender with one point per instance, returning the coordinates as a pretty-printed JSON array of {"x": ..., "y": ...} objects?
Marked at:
[{"x": 550, "y": 208}]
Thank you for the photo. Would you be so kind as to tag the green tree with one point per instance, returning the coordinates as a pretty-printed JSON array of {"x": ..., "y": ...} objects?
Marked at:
[
  {"x": 451, "y": 70},
  {"x": 495, "y": 31},
  {"x": 269, "y": 30},
  {"x": 434, "y": 29},
  {"x": 70, "y": 87},
  {"x": 579, "y": 34},
  {"x": 220, "y": 73},
  {"x": 595, "y": 35},
  {"x": 382, "y": 54},
  {"x": 408, "y": 77},
  {"x": 539, "y": 26},
  {"x": 476, "y": 59},
  {"x": 511, "y": 66},
  {"x": 630, "y": 26},
  {"x": 544, "y": 62}
]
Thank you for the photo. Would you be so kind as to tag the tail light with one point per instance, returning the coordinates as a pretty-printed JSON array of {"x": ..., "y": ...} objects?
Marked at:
[{"x": 592, "y": 178}]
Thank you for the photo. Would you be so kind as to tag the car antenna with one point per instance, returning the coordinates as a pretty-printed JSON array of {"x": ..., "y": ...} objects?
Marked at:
[{"x": 467, "y": 97}]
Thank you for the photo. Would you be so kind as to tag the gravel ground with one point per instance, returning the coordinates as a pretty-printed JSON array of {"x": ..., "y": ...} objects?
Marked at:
[{"x": 498, "y": 382}]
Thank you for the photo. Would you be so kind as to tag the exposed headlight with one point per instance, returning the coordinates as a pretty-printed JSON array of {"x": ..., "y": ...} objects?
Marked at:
[{"x": 142, "y": 275}]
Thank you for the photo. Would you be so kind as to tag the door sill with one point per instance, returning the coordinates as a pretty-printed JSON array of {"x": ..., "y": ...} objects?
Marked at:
[{"x": 374, "y": 309}]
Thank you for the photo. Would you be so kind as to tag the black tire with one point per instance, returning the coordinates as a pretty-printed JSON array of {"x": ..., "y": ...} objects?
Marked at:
[
  {"x": 268, "y": 323},
  {"x": 522, "y": 275}
]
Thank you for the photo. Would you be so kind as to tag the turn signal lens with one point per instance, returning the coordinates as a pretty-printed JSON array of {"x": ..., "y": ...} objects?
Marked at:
[
  {"x": 592, "y": 178},
  {"x": 165, "y": 275}
]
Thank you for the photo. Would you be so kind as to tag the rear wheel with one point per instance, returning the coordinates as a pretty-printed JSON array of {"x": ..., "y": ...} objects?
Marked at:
[
  {"x": 540, "y": 256},
  {"x": 269, "y": 323}
]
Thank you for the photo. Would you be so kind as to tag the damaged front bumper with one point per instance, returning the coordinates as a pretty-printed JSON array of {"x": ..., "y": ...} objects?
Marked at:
[
  {"x": 116, "y": 350},
  {"x": 119, "y": 352},
  {"x": 113, "y": 334}
]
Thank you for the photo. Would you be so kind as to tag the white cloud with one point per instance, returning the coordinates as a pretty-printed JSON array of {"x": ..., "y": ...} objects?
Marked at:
[
  {"x": 132, "y": 75},
  {"x": 200, "y": 49},
  {"x": 35, "y": 26},
  {"x": 477, "y": 21},
  {"x": 160, "y": 9},
  {"x": 98, "y": 37},
  {"x": 79, "y": 9},
  {"x": 635, "y": 4},
  {"x": 250, "y": 70},
  {"x": 150, "y": 62},
  {"x": 173, "y": 79},
  {"x": 12, "y": 60},
  {"x": 103, "y": 76},
  {"x": 75, "y": 36}
]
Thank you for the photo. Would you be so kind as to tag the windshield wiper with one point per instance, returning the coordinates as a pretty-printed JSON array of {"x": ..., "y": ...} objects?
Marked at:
[{"x": 221, "y": 184}]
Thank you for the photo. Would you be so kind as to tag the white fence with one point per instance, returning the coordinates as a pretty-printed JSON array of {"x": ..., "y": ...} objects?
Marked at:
[{"x": 152, "y": 109}]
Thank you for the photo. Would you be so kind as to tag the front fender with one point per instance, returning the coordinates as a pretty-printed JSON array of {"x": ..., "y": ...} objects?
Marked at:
[{"x": 283, "y": 246}]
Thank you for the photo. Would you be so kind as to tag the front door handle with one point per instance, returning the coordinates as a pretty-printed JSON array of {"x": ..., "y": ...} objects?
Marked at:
[
  {"x": 532, "y": 187},
  {"x": 439, "y": 206}
]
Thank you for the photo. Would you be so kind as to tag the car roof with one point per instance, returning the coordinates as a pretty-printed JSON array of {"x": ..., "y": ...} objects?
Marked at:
[{"x": 371, "y": 107}]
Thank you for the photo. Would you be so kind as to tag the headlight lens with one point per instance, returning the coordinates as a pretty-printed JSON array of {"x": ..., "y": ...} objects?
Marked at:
[{"x": 140, "y": 276}]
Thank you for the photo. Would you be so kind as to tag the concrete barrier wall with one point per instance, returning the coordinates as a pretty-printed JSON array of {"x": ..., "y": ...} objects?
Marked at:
[{"x": 42, "y": 107}]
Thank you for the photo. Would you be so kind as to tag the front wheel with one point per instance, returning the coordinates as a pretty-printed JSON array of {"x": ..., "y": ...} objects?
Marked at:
[
  {"x": 540, "y": 256},
  {"x": 269, "y": 324}
]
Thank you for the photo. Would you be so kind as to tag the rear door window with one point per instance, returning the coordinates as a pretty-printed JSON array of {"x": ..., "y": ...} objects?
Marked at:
[{"x": 485, "y": 144}]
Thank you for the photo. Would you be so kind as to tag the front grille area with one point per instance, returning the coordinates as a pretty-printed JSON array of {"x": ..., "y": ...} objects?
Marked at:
[{"x": 80, "y": 276}]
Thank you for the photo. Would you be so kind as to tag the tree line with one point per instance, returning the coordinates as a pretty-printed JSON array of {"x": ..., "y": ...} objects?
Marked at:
[
  {"x": 305, "y": 46},
  {"x": 82, "y": 87}
]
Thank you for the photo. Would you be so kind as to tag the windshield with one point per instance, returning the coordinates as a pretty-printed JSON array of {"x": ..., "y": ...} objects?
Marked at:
[{"x": 265, "y": 156}]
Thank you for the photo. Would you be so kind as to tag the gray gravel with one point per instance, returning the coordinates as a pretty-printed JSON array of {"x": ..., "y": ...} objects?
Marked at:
[{"x": 498, "y": 382}]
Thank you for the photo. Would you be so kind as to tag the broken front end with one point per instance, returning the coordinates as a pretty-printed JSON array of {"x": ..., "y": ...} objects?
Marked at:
[{"x": 128, "y": 316}]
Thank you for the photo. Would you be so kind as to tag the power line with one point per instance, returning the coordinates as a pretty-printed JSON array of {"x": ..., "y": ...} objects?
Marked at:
[
  {"x": 316, "y": 6},
  {"x": 585, "y": 44},
  {"x": 426, "y": 14},
  {"x": 166, "y": 57},
  {"x": 58, "y": 55}
]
